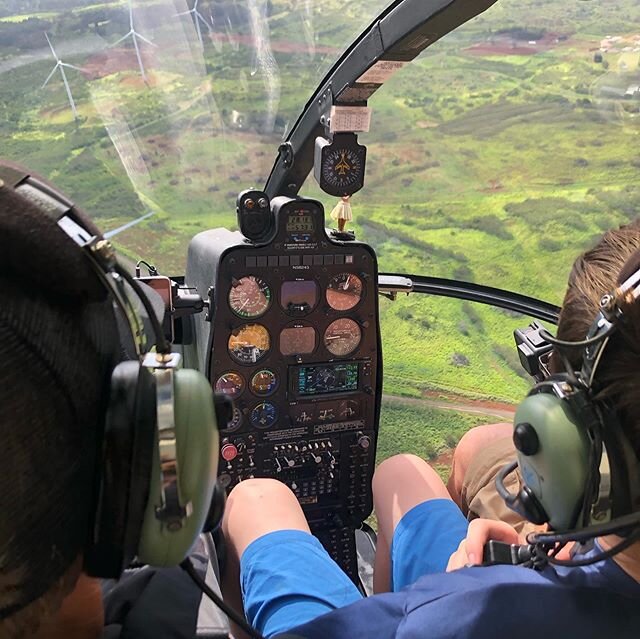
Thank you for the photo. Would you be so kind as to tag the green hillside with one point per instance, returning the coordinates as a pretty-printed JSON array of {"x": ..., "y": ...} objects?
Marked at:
[{"x": 497, "y": 157}]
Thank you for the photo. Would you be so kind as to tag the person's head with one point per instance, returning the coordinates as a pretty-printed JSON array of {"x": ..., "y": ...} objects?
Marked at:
[
  {"x": 597, "y": 272},
  {"x": 58, "y": 344}
]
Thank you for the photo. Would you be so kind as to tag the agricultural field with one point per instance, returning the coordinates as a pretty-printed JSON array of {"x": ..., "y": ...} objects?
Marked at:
[{"x": 501, "y": 153}]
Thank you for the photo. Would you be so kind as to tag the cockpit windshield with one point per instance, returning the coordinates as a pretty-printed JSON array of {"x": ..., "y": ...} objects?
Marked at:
[
  {"x": 165, "y": 107},
  {"x": 497, "y": 154},
  {"x": 495, "y": 157}
]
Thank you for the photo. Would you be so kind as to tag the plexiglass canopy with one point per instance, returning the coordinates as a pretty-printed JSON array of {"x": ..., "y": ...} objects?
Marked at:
[{"x": 496, "y": 157}]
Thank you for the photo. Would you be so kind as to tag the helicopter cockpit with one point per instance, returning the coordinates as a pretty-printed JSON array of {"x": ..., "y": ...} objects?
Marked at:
[{"x": 318, "y": 188}]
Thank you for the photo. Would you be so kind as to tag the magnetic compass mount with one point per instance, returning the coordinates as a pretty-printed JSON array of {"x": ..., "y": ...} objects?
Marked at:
[
  {"x": 255, "y": 219},
  {"x": 339, "y": 165}
]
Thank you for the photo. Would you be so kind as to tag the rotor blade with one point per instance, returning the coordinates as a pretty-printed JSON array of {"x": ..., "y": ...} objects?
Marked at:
[
  {"x": 199, "y": 17},
  {"x": 136, "y": 34},
  {"x": 50, "y": 75},
  {"x": 71, "y": 66},
  {"x": 51, "y": 46},
  {"x": 182, "y": 13},
  {"x": 109, "y": 234},
  {"x": 124, "y": 37}
]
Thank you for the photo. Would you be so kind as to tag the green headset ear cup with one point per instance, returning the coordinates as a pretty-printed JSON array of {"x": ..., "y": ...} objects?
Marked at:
[
  {"x": 557, "y": 473},
  {"x": 197, "y": 449}
]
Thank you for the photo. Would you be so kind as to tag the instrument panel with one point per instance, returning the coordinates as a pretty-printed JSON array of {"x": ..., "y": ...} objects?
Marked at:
[{"x": 293, "y": 340}]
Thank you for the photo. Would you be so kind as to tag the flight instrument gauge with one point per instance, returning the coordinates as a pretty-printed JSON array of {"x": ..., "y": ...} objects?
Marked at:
[
  {"x": 264, "y": 382},
  {"x": 230, "y": 384},
  {"x": 236, "y": 419},
  {"x": 339, "y": 165},
  {"x": 249, "y": 343},
  {"x": 344, "y": 291},
  {"x": 264, "y": 415},
  {"x": 342, "y": 337},
  {"x": 249, "y": 297}
]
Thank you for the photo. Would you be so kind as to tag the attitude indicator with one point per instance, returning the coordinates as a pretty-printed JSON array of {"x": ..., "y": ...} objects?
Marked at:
[{"x": 249, "y": 343}]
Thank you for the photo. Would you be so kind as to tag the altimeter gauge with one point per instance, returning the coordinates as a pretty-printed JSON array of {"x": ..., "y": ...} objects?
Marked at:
[
  {"x": 342, "y": 337},
  {"x": 339, "y": 165}
]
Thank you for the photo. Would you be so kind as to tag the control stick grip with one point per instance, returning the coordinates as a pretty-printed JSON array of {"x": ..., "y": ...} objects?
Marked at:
[{"x": 500, "y": 553}]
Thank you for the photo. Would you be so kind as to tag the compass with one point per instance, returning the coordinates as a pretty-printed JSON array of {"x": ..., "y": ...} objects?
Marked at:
[{"x": 339, "y": 165}]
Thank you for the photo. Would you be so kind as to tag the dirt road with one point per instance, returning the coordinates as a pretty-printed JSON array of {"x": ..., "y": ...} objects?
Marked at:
[{"x": 501, "y": 411}]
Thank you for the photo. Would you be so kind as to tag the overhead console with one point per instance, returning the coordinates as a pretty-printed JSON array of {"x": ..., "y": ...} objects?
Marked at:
[{"x": 292, "y": 337}]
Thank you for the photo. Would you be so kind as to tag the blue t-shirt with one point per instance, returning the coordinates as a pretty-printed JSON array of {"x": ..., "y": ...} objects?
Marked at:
[{"x": 599, "y": 601}]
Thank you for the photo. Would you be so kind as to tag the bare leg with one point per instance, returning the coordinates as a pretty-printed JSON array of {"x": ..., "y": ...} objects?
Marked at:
[
  {"x": 472, "y": 442},
  {"x": 254, "y": 508},
  {"x": 399, "y": 483}
]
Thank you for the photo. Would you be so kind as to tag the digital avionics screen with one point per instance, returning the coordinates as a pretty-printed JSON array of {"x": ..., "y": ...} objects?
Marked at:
[
  {"x": 327, "y": 378},
  {"x": 300, "y": 223}
]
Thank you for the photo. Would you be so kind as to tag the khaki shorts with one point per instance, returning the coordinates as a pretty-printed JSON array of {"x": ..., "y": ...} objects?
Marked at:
[{"x": 479, "y": 495}]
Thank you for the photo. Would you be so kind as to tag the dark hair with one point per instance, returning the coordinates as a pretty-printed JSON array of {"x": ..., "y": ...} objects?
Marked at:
[
  {"x": 597, "y": 272},
  {"x": 58, "y": 345}
]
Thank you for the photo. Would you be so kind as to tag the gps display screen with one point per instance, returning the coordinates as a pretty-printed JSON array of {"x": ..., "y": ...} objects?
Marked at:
[{"x": 327, "y": 378}]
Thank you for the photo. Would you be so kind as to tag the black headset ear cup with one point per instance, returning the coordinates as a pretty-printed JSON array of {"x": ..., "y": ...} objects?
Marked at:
[{"x": 124, "y": 471}]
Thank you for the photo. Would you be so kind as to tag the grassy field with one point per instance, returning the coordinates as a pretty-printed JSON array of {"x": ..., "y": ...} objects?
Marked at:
[
  {"x": 497, "y": 157},
  {"x": 430, "y": 433}
]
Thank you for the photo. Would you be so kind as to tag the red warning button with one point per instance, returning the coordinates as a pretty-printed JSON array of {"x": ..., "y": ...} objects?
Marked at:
[{"x": 229, "y": 452}]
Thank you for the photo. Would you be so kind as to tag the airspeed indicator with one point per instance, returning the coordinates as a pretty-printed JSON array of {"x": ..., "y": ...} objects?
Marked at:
[{"x": 249, "y": 297}]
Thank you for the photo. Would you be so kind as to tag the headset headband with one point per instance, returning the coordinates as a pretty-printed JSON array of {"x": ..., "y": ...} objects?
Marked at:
[
  {"x": 606, "y": 323},
  {"x": 163, "y": 362}
]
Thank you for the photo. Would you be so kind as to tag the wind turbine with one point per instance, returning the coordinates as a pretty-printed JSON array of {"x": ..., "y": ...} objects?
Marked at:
[
  {"x": 134, "y": 36},
  {"x": 216, "y": 43},
  {"x": 128, "y": 225},
  {"x": 197, "y": 17},
  {"x": 61, "y": 65}
]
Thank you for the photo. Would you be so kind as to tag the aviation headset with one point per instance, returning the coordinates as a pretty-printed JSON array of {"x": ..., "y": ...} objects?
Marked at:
[
  {"x": 579, "y": 471},
  {"x": 156, "y": 471}
]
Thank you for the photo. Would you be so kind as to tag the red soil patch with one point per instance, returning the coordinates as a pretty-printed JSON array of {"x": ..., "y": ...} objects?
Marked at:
[
  {"x": 503, "y": 45},
  {"x": 113, "y": 61},
  {"x": 119, "y": 59},
  {"x": 475, "y": 403},
  {"x": 445, "y": 458}
]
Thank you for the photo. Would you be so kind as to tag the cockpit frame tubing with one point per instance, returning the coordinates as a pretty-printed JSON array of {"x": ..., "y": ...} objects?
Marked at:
[
  {"x": 501, "y": 298},
  {"x": 401, "y": 32}
]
